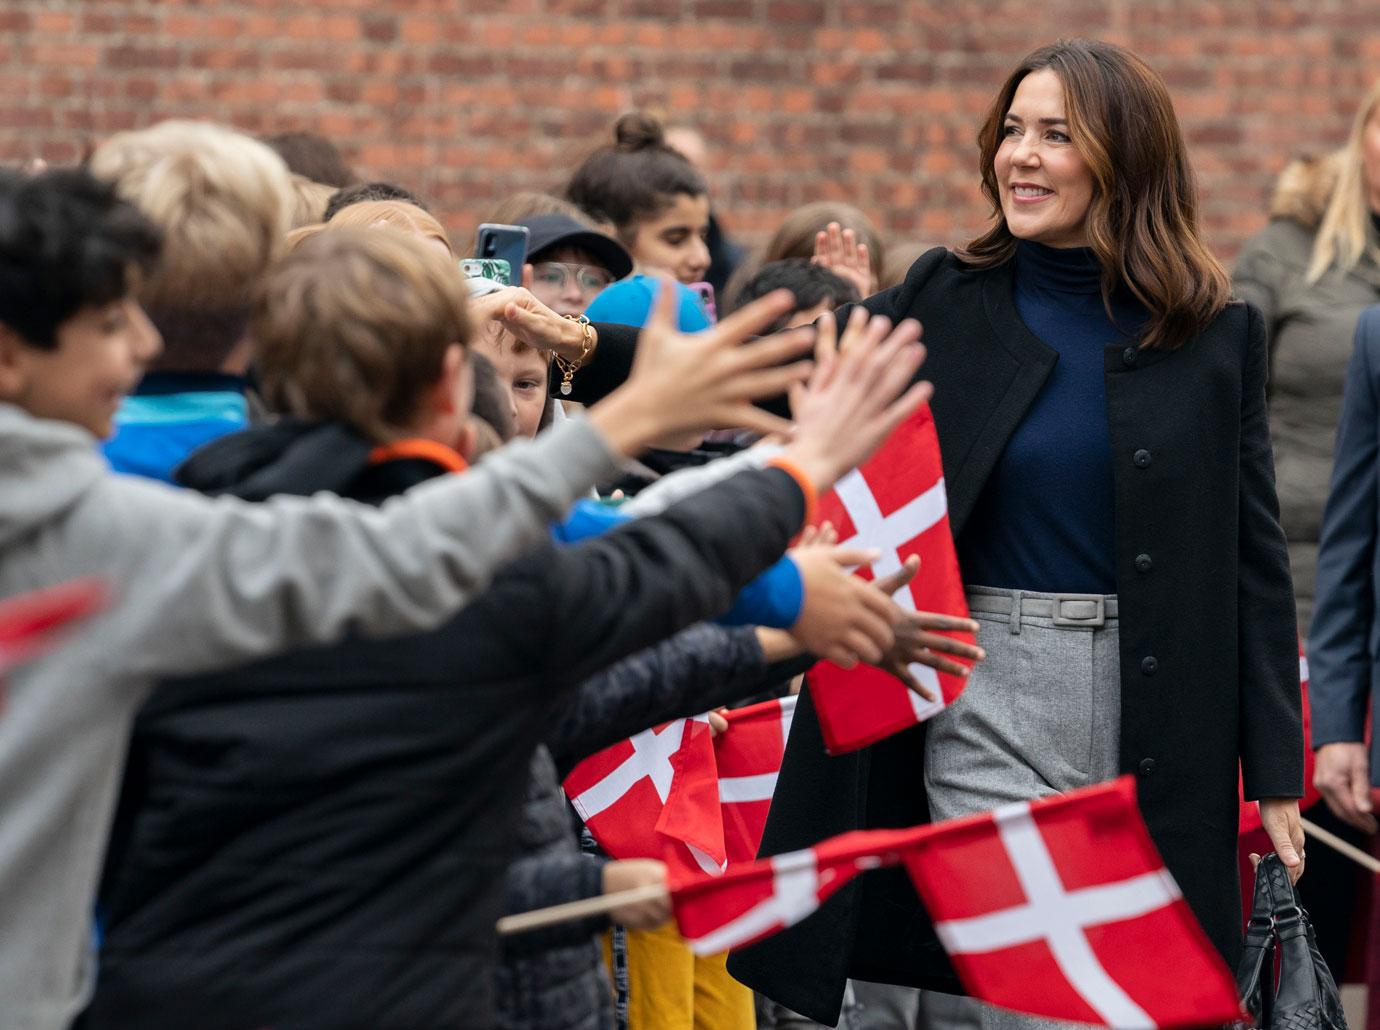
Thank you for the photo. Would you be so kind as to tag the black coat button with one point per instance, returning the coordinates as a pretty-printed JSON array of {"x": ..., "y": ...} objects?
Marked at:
[
  {"x": 1143, "y": 563},
  {"x": 1150, "y": 665},
  {"x": 1147, "y": 766},
  {"x": 1141, "y": 458},
  {"x": 1128, "y": 356}
]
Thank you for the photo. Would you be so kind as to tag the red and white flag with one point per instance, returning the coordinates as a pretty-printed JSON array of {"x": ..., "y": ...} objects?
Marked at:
[
  {"x": 31, "y": 623},
  {"x": 1062, "y": 908},
  {"x": 748, "y": 755},
  {"x": 895, "y": 503},
  {"x": 655, "y": 795},
  {"x": 1250, "y": 811},
  {"x": 752, "y": 901}
]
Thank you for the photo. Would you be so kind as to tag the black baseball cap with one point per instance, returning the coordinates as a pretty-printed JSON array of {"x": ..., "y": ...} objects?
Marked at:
[{"x": 550, "y": 231}]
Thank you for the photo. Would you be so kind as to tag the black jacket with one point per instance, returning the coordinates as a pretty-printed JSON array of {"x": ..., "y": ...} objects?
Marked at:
[
  {"x": 320, "y": 840},
  {"x": 1203, "y": 581},
  {"x": 554, "y": 979}
]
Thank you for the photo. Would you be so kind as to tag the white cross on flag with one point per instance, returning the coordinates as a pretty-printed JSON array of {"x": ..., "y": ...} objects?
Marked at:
[
  {"x": 1062, "y": 908},
  {"x": 896, "y": 503},
  {"x": 749, "y": 755},
  {"x": 752, "y": 901},
  {"x": 655, "y": 795},
  {"x": 30, "y": 623}
]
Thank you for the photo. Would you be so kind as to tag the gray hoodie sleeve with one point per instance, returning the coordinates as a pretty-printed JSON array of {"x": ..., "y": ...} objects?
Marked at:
[{"x": 201, "y": 584}]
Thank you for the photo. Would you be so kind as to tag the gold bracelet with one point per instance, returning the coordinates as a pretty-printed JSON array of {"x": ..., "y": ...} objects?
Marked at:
[{"x": 569, "y": 366}]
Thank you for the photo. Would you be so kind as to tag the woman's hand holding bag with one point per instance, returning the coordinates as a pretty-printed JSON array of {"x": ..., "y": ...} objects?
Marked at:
[{"x": 1306, "y": 997}]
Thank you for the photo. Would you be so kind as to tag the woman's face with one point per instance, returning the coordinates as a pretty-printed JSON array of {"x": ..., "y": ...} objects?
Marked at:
[
  {"x": 1044, "y": 184},
  {"x": 567, "y": 279},
  {"x": 674, "y": 241},
  {"x": 1370, "y": 158}
]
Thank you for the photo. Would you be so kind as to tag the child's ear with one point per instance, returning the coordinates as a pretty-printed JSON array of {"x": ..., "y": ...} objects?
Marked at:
[{"x": 13, "y": 363}]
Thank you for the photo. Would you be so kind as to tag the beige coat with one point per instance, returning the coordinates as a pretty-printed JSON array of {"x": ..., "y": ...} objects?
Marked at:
[{"x": 1310, "y": 331}]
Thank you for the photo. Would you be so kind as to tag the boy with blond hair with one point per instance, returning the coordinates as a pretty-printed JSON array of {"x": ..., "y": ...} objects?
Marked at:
[
  {"x": 199, "y": 585},
  {"x": 223, "y": 202}
]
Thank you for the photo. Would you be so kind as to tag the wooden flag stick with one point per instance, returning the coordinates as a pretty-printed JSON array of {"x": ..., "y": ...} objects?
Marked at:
[
  {"x": 1337, "y": 844},
  {"x": 572, "y": 910}
]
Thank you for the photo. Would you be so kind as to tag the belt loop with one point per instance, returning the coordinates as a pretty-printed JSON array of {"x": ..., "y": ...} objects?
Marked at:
[{"x": 1015, "y": 613}]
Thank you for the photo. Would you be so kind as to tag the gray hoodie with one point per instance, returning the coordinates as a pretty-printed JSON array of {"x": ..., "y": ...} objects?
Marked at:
[{"x": 198, "y": 585}]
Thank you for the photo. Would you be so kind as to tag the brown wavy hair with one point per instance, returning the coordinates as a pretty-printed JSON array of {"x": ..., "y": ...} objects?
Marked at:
[{"x": 1143, "y": 220}]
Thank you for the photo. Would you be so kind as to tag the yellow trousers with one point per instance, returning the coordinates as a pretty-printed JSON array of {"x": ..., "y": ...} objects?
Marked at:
[{"x": 670, "y": 988}]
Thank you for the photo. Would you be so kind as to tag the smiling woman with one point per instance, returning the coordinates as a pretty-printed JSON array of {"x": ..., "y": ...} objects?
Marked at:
[
  {"x": 1101, "y": 413},
  {"x": 1044, "y": 183}
]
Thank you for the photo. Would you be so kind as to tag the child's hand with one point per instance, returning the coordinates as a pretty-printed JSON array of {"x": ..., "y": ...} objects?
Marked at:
[
  {"x": 638, "y": 872},
  {"x": 839, "y": 251}
]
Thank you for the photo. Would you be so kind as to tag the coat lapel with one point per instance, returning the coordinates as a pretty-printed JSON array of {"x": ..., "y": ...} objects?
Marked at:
[{"x": 991, "y": 370}]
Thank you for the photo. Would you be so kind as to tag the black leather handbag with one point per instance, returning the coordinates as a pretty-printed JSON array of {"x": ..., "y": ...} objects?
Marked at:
[{"x": 1306, "y": 997}]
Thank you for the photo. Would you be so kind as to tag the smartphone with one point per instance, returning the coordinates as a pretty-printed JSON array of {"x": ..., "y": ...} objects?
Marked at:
[
  {"x": 504, "y": 243},
  {"x": 496, "y": 269},
  {"x": 705, "y": 292}
]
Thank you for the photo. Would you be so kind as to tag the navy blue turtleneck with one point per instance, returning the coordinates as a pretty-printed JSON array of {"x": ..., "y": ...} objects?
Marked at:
[{"x": 1045, "y": 520}]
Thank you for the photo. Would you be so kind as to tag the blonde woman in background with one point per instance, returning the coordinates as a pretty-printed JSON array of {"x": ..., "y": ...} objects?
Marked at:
[{"x": 1311, "y": 271}]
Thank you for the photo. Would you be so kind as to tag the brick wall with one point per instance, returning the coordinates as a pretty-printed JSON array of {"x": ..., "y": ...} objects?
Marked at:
[{"x": 875, "y": 101}]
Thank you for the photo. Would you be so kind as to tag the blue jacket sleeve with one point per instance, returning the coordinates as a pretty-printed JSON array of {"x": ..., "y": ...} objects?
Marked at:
[
  {"x": 773, "y": 599},
  {"x": 1339, "y": 652}
]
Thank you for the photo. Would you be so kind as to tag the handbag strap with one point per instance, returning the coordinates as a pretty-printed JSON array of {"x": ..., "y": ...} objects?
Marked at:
[{"x": 1255, "y": 971}]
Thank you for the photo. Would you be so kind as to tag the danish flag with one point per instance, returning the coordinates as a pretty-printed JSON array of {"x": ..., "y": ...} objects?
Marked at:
[
  {"x": 29, "y": 623},
  {"x": 895, "y": 503},
  {"x": 655, "y": 795},
  {"x": 748, "y": 755},
  {"x": 1250, "y": 811},
  {"x": 1062, "y": 908},
  {"x": 752, "y": 901}
]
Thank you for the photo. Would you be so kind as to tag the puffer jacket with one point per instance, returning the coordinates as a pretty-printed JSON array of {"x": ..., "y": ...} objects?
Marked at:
[
  {"x": 554, "y": 979},
  {"x": 319, "y": 842}
]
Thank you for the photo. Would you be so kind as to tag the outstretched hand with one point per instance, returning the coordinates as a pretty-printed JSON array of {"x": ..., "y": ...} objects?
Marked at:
[
  {"x": 920, "y": 639},
  {"x": 844, "y": 619},
  {"x": 693, "y": 382},
  {"x": 857, "y": 395}
]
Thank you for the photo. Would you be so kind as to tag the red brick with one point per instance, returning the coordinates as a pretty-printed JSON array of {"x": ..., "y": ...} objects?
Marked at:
[{"x": 876, "y": 101}]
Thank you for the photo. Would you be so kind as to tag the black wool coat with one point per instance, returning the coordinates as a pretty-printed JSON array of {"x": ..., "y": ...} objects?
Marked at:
[{"x": 1209, "y": 665}]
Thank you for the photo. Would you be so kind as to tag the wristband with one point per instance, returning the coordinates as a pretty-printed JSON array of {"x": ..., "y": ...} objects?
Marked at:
[{"x": 807, "y": 487}]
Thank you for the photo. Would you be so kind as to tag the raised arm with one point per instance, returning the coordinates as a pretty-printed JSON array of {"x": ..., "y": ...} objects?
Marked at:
[{"x": 220, "y": 582}]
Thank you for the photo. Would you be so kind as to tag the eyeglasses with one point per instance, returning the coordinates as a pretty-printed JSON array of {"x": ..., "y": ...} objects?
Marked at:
[{"x": 556, "y": 274}]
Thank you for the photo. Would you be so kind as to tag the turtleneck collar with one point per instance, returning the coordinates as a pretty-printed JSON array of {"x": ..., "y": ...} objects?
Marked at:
[{"x": 1063, "y": 270}]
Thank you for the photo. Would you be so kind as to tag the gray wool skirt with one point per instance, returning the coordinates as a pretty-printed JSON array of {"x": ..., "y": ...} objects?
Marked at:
[{"x": 1041, "y": 716}]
